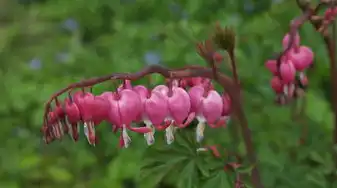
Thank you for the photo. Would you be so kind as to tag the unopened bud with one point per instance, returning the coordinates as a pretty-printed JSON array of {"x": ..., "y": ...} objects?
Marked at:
[{"x": 224, "y": 38}]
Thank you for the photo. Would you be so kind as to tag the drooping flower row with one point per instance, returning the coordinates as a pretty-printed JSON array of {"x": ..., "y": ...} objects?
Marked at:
[
  {"x": 289, "y": 76},
  {"x": 162, "y": 108}
]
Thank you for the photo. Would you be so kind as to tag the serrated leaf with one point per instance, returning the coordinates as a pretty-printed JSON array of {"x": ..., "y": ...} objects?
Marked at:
[
  {"x": 202, "y": 167},
  {"x": 221, "y": 179},
  {"x": 154, "y": 175},
  {"x": 184, "y": 140},
  {"x": 188, "y": 176}
]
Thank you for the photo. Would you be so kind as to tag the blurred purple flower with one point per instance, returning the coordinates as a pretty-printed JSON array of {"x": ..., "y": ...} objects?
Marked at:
[
  {"x": 152, "y": 58},
  {"x": 70, "y": 24},
  {"x": 35, "y": 64},
  {"x": 62, "y": 57}
]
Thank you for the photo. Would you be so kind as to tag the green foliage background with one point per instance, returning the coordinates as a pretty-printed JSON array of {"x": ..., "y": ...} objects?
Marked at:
[{"x": 45, "y": 45}]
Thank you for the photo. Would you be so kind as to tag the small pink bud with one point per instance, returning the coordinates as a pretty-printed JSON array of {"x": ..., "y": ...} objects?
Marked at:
[{"x": 286, "y": 41}]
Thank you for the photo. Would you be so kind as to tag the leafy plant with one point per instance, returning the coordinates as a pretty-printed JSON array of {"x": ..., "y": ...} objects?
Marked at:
[{"x": 186, "y": 159}]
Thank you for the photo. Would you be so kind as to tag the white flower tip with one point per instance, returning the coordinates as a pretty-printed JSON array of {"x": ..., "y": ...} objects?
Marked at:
[
  {"x": 169, "y": 141},
  {"x": 200, "y": 131},
  {"x": 200, "y": 138},
  {"x": 149, "y": 137},
  {"x": 169, "y": 135},
  {"x": 201, "y": 149},
  {"x": 169, "y": 138},
  {"x": 126, "y": 138}
]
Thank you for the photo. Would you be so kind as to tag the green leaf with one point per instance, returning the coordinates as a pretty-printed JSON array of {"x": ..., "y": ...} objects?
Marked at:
[
  {"x": 221, "y": 179},
  {"x": 202, "y": 167},
  {"x": 316, "y": 179},
  {"x": 30, "y": 161},
  {"x": 151, "y": 177},
  {"x": 188, "y": 176},
  {"x": 59, "y": 174},
  {"x": 317, "y": 157}
]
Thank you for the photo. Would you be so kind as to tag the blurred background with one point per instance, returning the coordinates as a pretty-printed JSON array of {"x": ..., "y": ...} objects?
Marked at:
[{"x": 47, "y": 44}]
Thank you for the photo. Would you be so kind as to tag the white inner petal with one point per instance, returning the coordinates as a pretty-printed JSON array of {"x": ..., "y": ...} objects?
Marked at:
[
  {"x": 86, "y": 130},
  {"x": 169, "y": 134},
  {"x": 149, "y": 137},
  {"x": 200, "y": 129},
  {"x": 126, "y": 137}
]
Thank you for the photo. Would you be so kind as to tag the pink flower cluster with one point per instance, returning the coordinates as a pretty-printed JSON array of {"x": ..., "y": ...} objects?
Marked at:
[
  {"x": 164, "y": 107},
  {"x": 289, "y": 74}
]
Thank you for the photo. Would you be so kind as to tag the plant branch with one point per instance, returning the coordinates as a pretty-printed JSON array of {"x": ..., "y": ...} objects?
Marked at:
[{"x": 195, "y": 71}]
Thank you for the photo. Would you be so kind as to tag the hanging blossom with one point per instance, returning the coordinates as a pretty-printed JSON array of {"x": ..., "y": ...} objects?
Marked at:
[
  {"x": 289, "y": 74},
  {"x": 166, "y": 107}
]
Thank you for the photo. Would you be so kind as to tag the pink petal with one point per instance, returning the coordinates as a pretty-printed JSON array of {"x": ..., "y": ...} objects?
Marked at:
[
  {"x": 288, "y": 72},
  {"x": 156, "y": 107},
  {"x": 129, "y": 106},
  {"x": 179, "y": 105},
  {"x": 212, "y": 106},
  {"x": 286, "y": 40},
  {"x": 196, "y": 96},
  {"x": 271, "y": 65},
  {"x": 302, "y": 58}
]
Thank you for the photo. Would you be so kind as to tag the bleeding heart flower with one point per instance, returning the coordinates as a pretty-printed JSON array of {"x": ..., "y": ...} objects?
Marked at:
[
  {"x": 125, "y": 106},
  {"x": 207, "y": 105},
  {"x": 277, "y": 85},
  {"x": 94, "y": 110},
  {"x": 302, "y": 58},
  {"x": 73, "y": 118},
  {"x": 226, "y": 111},
  {"x": 60, "y": 117},
  {"x": 287, "y": 71},
  {"x": 179, "y": 108},
  {"x": 55, "y": 125},
  {"x": 155, "y": 110}
]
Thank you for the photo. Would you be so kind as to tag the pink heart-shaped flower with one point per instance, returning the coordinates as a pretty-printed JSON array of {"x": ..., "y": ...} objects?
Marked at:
[
  {"x": 302, "y": 58},
  {"x": 196, "y": 95},
  {"x": 156, "y": 108},
  {"x": 212, "y": 107},
  {"x": 287, "y": 71}
]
